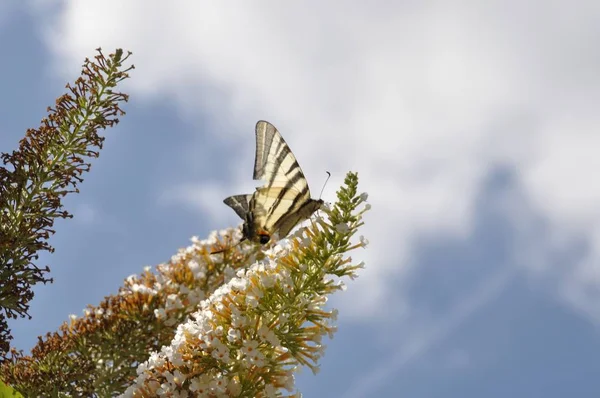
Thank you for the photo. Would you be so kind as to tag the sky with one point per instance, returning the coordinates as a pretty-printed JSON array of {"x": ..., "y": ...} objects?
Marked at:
[{"x": 473, "y": 127}]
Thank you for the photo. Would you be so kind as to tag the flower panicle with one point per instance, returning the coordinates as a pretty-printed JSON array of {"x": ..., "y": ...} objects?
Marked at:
[
  {"x": 252, "y": 334},
  {"x": 125, "y": 327},
  {"x": 48, "y": 165}
]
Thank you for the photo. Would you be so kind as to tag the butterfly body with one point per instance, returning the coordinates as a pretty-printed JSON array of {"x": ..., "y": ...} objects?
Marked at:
[{"x": 275, "y": 208}]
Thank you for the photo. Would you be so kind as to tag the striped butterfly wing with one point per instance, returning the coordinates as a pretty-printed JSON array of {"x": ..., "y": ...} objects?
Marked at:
[
  {"x": 240, "y": 204},
  {"x": 285, "y": 199}
]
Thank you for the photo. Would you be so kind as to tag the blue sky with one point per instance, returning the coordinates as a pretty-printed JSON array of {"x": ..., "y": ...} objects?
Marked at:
[{"x": 474, "y": 129}]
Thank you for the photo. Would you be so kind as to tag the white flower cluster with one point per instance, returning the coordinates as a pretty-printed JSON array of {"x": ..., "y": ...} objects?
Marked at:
[
  {"x": 229, "y": 329},
  {"x": 192, "y": 258}
]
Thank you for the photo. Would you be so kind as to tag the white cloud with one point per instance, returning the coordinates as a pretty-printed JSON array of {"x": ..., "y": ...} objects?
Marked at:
[
  {"x": 427, "y": 337},
  {"x": 207, "y": 198},
  {"x": 421, "y": 98}
]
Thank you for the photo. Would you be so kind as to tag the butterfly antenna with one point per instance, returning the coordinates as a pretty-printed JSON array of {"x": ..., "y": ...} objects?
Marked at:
[
  {"x": 322, "y": 189},
  {"x": 325, "y": 183}
]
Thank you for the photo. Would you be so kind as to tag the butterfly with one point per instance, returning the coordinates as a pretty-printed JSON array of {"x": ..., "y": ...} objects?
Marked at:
[{"x": 283, "y": 201}]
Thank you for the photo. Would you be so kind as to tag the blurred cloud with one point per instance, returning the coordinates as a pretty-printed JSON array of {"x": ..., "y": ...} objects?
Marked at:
[
  {"x": 431, "y": 336},
  {"x": 5, "y": 11},
  {"x": 85, "y": 214},
  {"x": 206, "y": 198},
  {"x": 423, "y": 99}
]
